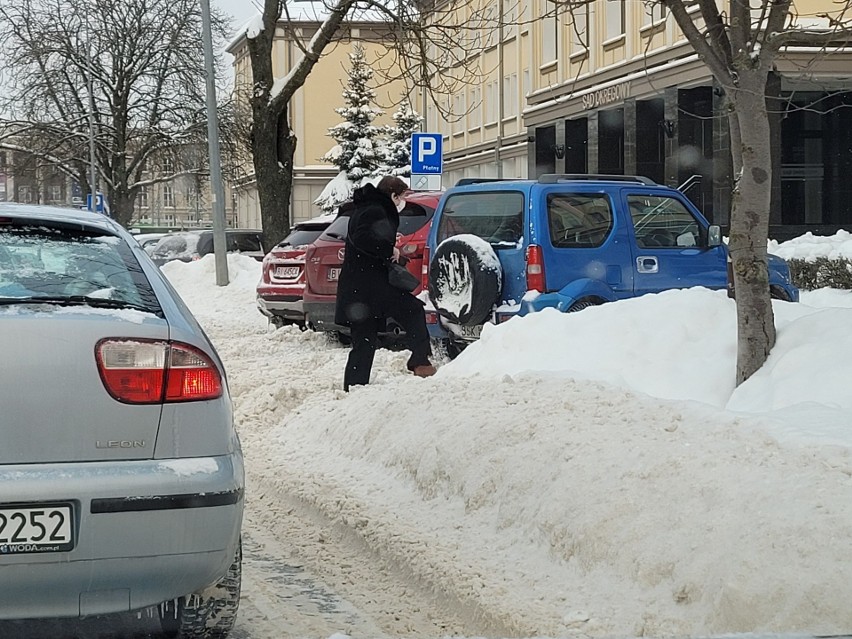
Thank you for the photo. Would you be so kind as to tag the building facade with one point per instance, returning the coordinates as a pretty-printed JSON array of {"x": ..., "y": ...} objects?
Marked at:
[
  {"x": 615, "y": 88},
  {"x": 312, "y": 111}
]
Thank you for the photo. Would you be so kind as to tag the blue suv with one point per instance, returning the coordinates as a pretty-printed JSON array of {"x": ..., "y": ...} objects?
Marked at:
[{"x": 501, "y": 248}]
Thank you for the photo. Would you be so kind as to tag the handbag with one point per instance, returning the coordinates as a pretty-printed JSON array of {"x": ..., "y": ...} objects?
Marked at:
[{"x": 401, "y": 278}]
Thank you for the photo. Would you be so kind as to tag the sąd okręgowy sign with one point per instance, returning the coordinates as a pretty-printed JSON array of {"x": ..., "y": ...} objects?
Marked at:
[{"x": 616, "y": 93}]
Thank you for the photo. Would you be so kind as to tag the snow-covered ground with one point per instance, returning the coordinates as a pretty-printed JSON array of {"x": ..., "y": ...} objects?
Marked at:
[{"x": 592, "y": 474}]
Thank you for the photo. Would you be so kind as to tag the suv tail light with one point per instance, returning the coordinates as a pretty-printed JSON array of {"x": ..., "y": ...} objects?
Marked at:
[
  {"x": 424, "y": 270},
  {"x": 148, "y": 372},
  {"x": 535, "y": 269},
  {"x": 410, "y": 249}
]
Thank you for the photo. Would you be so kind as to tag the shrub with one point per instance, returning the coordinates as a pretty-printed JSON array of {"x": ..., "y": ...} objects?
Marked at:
[{"x": 821, "y": 272}]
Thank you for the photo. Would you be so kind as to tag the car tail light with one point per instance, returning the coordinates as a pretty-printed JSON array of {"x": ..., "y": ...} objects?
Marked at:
[
  {"x": 410, "y": 249},
  {"x": 424, "y": 270},
  {"x": 431, "y": 317},
  {"x": 535, "y": 269},
  {"x": 148, "y": 372}
]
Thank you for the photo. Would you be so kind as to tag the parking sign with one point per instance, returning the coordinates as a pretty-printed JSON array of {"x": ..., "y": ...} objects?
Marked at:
[{"x": 427, "y": 154}]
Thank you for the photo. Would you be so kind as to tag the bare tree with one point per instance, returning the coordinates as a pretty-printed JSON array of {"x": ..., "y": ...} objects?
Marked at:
[
  {"x": 740, "y": 41},
  {"x": 144, "y": 60},
  {"x": 429, "y": 57}
]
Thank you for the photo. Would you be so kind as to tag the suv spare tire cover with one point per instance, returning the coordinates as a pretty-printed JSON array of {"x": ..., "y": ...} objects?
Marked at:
[{"x": 465, "y": 279}]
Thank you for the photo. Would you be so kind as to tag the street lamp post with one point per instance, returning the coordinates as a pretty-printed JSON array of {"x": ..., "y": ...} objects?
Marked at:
[
  {"x": 93, "y": 166},
  {"x": 216, "y": 187}
]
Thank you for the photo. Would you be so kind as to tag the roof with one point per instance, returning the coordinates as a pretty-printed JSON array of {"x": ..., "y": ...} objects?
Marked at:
[{"x": 58, "y": 214}]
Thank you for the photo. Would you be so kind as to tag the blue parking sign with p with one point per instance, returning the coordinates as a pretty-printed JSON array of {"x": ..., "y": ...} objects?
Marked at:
[{"x": 427, "y": 154}]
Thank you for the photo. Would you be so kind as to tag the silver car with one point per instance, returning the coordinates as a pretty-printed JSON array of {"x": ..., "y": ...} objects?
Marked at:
[{"x": 121, "y": 475}]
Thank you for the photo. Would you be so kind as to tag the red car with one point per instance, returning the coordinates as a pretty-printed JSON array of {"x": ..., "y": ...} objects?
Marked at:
[
  {"x": 325, "y": 256},
  {"x": 282, "y": 281}
]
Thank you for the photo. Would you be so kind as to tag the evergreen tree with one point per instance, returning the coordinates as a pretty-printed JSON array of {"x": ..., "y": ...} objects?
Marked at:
[
  {"x": 356, "y": 136},
  {"x": 396, "y": 154}
]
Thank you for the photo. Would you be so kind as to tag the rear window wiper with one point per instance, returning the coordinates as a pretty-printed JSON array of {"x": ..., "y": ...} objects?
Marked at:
[
  {"x": 336, "y": 236},
  {"x": 77, "y": 300}
]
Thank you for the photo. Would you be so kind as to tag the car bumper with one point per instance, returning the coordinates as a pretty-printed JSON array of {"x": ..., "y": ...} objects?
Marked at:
[
  {"x": 286, "y": 306},
  {"x": 145, "y": 532},
  {"x": 320, "y": 316}
]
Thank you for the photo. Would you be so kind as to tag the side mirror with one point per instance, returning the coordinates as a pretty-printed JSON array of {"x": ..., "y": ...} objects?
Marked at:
[{"x": 714, "y": 236}]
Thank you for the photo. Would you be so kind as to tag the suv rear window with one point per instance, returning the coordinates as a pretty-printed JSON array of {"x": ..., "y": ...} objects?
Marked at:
[
  {"x": 578, "y": 220},
  {"x": 497, "y": 217},
  {"x": 173, "y": 246},
  {"x": 413, "y": 217},
  {"x": 302, "y": 235}
]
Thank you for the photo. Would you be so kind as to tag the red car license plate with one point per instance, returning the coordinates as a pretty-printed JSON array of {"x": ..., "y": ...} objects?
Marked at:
[
  {"x": 36, "y": 528},
  {"x": 333, "y": 274},
  {"x": 287, "y": 272}
]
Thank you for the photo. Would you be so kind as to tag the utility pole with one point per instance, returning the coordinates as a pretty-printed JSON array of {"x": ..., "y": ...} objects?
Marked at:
[
  {"x": 93, "y": 162},
  {"x": 216, "y": 188}
]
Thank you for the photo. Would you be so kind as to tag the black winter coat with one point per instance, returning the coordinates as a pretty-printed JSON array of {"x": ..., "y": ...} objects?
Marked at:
[{"x": 363, "y": 290}]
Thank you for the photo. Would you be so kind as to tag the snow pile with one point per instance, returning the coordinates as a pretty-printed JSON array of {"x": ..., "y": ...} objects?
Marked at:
[
  {"x": 809, "y": 247},
  {"x": 584, "y": 474}
]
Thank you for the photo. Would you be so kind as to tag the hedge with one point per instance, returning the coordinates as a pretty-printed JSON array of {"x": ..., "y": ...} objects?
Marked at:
[{"x": 821, "y": 272}]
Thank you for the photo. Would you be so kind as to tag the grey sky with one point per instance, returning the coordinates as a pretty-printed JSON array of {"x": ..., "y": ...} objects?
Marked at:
[{"x": 240, "y": 10}]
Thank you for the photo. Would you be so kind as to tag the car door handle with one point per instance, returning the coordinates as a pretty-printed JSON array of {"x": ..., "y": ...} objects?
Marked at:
[{"x": 647, "y": 264}]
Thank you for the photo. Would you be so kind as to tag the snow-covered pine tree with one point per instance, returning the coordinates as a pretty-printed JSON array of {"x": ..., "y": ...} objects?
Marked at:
[
  {"x": 356, "y": 153},
  {"x": 396, "y": 154}
]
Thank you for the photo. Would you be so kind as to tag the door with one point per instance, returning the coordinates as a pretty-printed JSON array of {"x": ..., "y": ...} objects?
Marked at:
[
  {"x": 670, "y": 245},
  {"x": 585, "y": 239}
]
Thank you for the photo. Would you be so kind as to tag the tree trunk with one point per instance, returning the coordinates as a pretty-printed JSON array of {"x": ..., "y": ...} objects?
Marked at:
[
  {"x": 273, "y": 146},
  {"x": 750, "y": 224}
]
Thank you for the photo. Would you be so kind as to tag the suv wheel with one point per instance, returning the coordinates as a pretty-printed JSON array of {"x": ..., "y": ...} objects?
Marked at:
[
  {"x": 209, "y": 613},
  {"x": 580, "y": 305},
  {"x": 465, "y": 279}
]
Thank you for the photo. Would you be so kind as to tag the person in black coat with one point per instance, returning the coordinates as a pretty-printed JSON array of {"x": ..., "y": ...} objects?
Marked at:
[{"x": 365, "y": 298}]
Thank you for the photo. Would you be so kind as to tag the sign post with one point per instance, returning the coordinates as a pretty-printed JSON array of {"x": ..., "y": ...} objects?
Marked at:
[{"x": 427, "y": 161}]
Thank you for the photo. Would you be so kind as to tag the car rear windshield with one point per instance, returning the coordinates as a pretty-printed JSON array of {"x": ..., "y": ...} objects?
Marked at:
[
  {"x": 64, "y": 262},
  {"x": 303, "y": 235},
  {"x": 496, "y": 216},
  {"x": 175, "y": 246},
  {"x": 414, "y": 216}
]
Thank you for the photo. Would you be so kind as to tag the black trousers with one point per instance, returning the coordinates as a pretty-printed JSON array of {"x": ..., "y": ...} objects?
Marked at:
[{"x": 409, "y": 314}]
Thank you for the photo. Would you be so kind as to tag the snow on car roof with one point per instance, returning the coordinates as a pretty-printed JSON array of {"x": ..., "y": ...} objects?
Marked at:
[{"x": 57, "y": 214}]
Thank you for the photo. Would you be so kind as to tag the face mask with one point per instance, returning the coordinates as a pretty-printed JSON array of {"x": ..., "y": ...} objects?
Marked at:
[{"x": 400, "y": 206}]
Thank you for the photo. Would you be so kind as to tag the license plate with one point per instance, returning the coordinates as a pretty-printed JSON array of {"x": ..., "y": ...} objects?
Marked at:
[
  {"x": 287, "y": 272},
  {"x": 36, "y": 528},
  {"x": 333, "y": 274},
  {"x": 471, "y": 332}
]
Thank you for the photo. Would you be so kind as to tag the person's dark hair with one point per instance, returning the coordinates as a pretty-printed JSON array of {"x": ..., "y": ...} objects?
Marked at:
[{"x": 392, "y": 185}]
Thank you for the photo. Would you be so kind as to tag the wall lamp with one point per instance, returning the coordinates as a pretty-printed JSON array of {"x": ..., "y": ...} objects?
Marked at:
[
  {"x": 669, "y": 127},
  {"x": 559, "y": 150}
]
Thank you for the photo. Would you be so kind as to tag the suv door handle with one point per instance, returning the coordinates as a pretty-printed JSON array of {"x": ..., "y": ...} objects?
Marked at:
[{"x": 647, "y": 264}]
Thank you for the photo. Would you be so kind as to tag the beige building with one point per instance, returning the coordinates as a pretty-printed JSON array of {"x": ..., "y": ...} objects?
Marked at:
[
  {"x": 312, "y": 111},
  {"x": 615, "y": 88}
]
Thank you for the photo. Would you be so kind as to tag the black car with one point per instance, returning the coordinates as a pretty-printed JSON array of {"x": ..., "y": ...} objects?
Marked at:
[{"x": 188, "y": 246}]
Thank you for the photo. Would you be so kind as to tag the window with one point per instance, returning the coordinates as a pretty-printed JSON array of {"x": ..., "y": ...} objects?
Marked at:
[
  {"x": 143, "y": 197},
  {"x": 510, "y": 17},
  {"x": 510, "y": 95},
  {"x": 168, "y": 196},
  {"x": 497, "y": 217},
  {"x": 662, "y": 222},
  {"x": 616, "y": 18},
  {"x": 168, "y": 165},
  {"x": 25, "y": 194},
  {"x": 491, "y": 24},
  {"x": 578, "y": 220},
  {"x": 459, "y": 112},
  {"x": 55, "y": 193},
  {"x": 580, "y": 28},
  {"x": 548, "y": 31},
  {"x": 491, "y": 97},
  {"x": 653, "y": 12},
  {"x": 475, "y": 117}
]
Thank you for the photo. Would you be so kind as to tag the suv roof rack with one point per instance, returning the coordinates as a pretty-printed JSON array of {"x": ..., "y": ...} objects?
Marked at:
[
  {"x": 553, "y": 178},
  {"x": 480, "y": 180}
]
